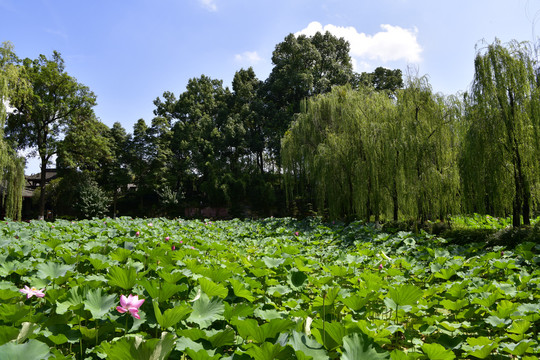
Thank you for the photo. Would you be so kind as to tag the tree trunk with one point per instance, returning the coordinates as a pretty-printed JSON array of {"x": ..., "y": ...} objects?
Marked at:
[
  {"x": 517, "y": 203},
  {"x": 396, "y": 208},
  {"x": 115, "y": 197},
  {"x": 260, "y": 161},
  {"x": 526, "y": 209},
  {"x": 42, "y": 187}
]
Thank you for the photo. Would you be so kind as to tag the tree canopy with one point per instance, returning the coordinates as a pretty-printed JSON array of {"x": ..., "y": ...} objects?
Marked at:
[
  {"x": 51, "y": 104},
  {"x": 314, "y": 136},
  {"x": 11, "y": 165},
  {"x": 502, "y": 144}
]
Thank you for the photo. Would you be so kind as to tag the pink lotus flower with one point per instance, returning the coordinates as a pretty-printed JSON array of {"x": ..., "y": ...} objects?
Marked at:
[
  {"x": 181, "y": 242},
  {"x": 131, "y": 304},
  {"x": 167, "y": 238},
  {"x": 32, "y": 291},
  {"x": 173, "y": 248},
  {"x": 150, "y": 224},
  {"x": 296, "y": 233},
  {"x": 137, "y": 233},
  {"x": 380, "y": 266}
]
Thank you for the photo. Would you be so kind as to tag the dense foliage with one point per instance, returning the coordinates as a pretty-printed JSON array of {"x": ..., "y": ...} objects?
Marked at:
[
  {"x": 363, "y": 153},
  {"x": 11, "y": 165},
  {"x": 502, "y": 143},
  {"x": 313, "y": 138},
  {"x": 274, "y": 288}
]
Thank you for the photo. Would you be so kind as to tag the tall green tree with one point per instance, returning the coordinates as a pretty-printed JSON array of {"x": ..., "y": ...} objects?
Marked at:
[
  {"x": 303, "y": 66},
  {"x": 54, "y": 102},
  {"x": 333, "y": 154},
  {"x": 381, "y": 79},
  {"x": 115, "y": 175},
  {"x": 502, "y": 145},
  {"x": 428, "y": 151},
  {"x": 248, "y": 106},
  {"x": 363, "y": 154},
  {"x": 203, "y": 138},
  {"x": 139, "y": 160},
  {"x": 11, "y": 165},
  {"x": 85, "y": 147}
]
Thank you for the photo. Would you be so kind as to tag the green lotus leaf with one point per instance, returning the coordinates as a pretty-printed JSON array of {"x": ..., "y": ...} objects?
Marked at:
[
  {"x": 99, "y": 305},
  {"x": 278, "y": 291},
  {"x": 529, "y": 308},
  {"x": 99, "y": 261},
  {"x": 454, "y": 305},
  {"x": 518, "y": 349},
  {"x": 8, "y": 333},
  {"x": 330, "y": 334},
  {"x": 273, "y": 262},
  {"x": 405, "y": 294},
  {"x": 445, "y": 274},
  {"x": 136, "y": 348},
  {"x": 32, "y": 349},
  {"x": 238, "y": 310},
  {"x": 206, "y": 311},
  {"x": 170, "y": 317},
  {"x": 488, "y": 299},
  {"x": 74, "y": 299},
  {"x": 184, "y": 343},
  {"x": 211, "y": 289},
  {"x": 505, "y": 308},
  {"x": 222, "y": 338},
  {"x": 268, "y": 351},
  {"x": 240, "y": 290},
  {"x": 305, "y": 347},
  {"x": 202, "y": 354},
  {"x": 437, "y": 352},
  {"x": 357, "y": 302},
  {"x": 217, "y": 274},
  {"x": 52, "y": 270},
  {"x": 171, "y": 276},
  {"x": 360, "y": 347},
  {"x": 124, "y": 278},
  {"x": 480, "y": 347},
  {"x": 15, "y": 314},
  {"x": 328, "y": 298},
  {"x": 297, "y": 279},
  {"x": 518, "y": 329},
  {"x": 160, "y": 290},
  {"x": 398, "y": 355},
  {"x": 497, "y": 321},
  {"x": 249, "y": 329},
  {"x": 7, "y": 294}
]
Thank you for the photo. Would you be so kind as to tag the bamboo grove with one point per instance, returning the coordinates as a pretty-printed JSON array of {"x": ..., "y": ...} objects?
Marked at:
[{"x": 416, "y": 154}]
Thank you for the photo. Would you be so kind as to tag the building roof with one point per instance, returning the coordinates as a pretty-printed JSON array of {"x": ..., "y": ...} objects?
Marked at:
[{"x": 49, "y": 175}]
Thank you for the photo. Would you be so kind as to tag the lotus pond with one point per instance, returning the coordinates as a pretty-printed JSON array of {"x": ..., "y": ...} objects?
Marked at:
[{"x": 266, "y": 289}]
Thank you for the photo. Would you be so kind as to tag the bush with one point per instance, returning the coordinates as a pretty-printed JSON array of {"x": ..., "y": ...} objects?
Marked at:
[{"x": 92, "y": 200}]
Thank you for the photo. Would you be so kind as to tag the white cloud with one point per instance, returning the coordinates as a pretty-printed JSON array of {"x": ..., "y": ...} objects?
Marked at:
[
  {"x": 248, "y": 57},
  {"x": 393, "y": 43},
  {"x": 209, "y": 4}
]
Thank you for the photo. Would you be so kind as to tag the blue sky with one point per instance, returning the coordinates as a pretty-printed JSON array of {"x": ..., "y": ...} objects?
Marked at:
[{"x": 130, "y": 52}]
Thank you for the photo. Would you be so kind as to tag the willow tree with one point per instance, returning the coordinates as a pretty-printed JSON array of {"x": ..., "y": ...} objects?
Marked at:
[
  {"x": 501, "y": 151},
  {"x": 335, "y": 153},
  {"x": 11, "y": 165},
  {"x": 364, "y": 154},
  {"x": 427, "y": 183}
]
